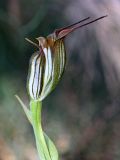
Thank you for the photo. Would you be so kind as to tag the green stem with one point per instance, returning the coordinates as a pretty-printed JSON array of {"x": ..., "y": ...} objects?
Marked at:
[{"x": 43, "y": 152}]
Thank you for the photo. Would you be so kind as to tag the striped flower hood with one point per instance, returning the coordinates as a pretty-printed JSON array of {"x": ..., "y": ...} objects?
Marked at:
[{"x": 46, "y": 68}]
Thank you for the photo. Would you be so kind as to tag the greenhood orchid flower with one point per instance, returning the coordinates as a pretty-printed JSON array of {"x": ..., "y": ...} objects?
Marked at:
[{"x": 48, "y": 63}]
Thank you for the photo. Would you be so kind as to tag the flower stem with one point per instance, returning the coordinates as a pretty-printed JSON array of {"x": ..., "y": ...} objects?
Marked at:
[{"x": 43, "y": 151}]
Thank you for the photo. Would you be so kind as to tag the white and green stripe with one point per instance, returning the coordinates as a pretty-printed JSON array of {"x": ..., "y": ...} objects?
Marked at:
[{"x": 46, "y": 68}]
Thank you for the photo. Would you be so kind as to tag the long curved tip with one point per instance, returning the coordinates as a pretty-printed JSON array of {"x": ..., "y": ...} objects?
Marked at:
[{"x": 62, "y": 32}]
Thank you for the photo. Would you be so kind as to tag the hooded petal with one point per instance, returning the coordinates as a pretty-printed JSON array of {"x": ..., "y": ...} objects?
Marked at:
[{"x": 45, "y": 70}]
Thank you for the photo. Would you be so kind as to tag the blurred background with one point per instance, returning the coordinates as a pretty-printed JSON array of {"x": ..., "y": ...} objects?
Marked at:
[{"x": 82, "y": 115}]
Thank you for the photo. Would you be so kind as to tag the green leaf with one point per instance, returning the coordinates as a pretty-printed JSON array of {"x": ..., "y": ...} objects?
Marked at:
[
  {"x": 51, "y": 148},
  {"x": 26, "y": 110}
]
